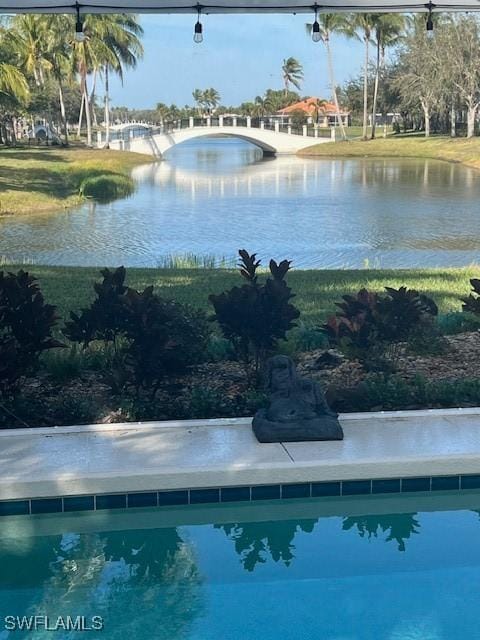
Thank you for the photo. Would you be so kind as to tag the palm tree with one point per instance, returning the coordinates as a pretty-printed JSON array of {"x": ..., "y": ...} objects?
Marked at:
[
  {"x": 318, "y": 108},
  {"x": 163, "y": 112},
  {"x": 197, "y": 95},
  {"x": 388, "y": 32},
  {"x": 13, "y": 83},
  {"x": 111, "y": 42},
  {"x": 57, "y": 53},
  {"x": 212, "y": 99},
  {"x": 361, "y": 27},
  {"x": 332, "y": 23},
  {"x": 292, "y": 72},
  {"x": 29, "y": 36},
  {"x": 121, "y": 35}
]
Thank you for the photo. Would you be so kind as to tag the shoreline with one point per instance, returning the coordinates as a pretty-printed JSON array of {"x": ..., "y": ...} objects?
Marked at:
[
  {"x": 453, "y": 150},
  {"x": 41, "y": 180}
]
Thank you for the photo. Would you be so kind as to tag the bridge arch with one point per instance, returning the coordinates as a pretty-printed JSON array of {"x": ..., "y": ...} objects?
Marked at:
[
  {"x": 204, "y": 132},
  {"x": 271, "y": 141}
]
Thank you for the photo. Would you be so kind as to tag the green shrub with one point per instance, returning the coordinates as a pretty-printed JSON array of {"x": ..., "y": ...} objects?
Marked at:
[
  {"x": 65, "y": 364},
  {"x": 457, "y": 322},
  {"x": 105, "y": 318},
  {"x": 368, "y": 325},
  {"x": 391, "y": 392},
  {"x": 254, "y": 317},
  {"x": 107, "y": 187},
  {"x": 26, "y": 326},
  {"x": 163, "y": 338},
  {"x": 152, "y": 337}
]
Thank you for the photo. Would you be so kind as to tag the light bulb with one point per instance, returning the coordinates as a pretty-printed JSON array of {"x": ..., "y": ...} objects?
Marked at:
[
  {"x": 198, "y": 34},
  {"x": 430, "y": 32},
  {"x": 316, "y": 36},
  {"x": 79, "y": 35}
]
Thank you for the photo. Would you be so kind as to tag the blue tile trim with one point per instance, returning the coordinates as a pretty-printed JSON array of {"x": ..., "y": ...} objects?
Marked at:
[
  {"x": 111, "y": 501},
  {"x": 79, "y": 503},
  {"x": 15, "y": 508},
  {"x": 322, "y": 489},
  {"x": 172, "y": 498},
  {"x": 356, "y": 487},
  {"x": 445, "y": 483},
  {"x": 235, "y": 494},
  {"x": 145, "y": 499},
  {"x": 47, "y": 505},
  {"x": 389, "y": 485},
  {"x": 296, "y": 490},
  {"x": 204, "y": 496},
  {"x": 266, "y": 492},
  {"x": 178, "y": 497},
  {"x": 470, "y": 482},
  {"x": 416, "y": 484}
]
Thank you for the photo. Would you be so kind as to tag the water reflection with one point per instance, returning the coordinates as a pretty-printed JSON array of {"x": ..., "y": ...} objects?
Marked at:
[
  {"x": 214, "y": 196},
  {"x": 398, "y": 527},
  {"x": 258, "y": 542},
  {"x": 412, "y": 575}
]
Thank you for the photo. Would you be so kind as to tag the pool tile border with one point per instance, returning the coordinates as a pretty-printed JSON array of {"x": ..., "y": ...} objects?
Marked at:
[{"x": 254, "y": 493}]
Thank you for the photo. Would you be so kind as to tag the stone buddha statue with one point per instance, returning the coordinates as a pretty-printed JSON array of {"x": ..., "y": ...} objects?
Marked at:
[{"x": 297, "y": 409}]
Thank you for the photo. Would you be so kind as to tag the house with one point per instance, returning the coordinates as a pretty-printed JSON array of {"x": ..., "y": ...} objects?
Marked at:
[{"x": 317, "y": 110}]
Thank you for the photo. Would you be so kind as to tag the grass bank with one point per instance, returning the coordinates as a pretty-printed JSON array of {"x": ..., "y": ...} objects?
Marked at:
[
  {"x": 317, "y": 290},
  {"x": 39, "y": 180},
  {"x": 460, "y": 150}
]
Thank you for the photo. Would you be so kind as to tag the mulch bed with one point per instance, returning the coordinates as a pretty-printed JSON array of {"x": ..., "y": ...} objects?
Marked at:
[{"x": 88, "y": 398}]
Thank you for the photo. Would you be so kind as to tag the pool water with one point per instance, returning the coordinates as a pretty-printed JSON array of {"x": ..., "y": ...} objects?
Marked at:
[{"x": 390, "y": 568}]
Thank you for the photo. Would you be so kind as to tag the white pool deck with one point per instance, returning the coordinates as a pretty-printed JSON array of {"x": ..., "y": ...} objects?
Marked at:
[{"x": 130, "y": 457}]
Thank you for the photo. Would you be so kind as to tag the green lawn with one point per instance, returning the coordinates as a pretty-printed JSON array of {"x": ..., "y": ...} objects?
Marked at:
[
  {"x": 411, "y": 146},
  {"x": 317, "y": 291},
  {"x": 35, "y": 180}
]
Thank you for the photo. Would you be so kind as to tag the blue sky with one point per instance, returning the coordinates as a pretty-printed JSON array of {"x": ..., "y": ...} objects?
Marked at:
[{"x": 241, "y": 56}]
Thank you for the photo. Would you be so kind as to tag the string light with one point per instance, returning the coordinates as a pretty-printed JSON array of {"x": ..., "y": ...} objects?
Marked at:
[
  {"x": 198, "y": 31},
  {"x": 316, "y": 36},
  {"x": 79, "y": 34},
  {"x": 430, "y": 6}
]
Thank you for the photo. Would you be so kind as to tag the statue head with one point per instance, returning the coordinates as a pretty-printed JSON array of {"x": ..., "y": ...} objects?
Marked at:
[{"x": 281, "y": 375}]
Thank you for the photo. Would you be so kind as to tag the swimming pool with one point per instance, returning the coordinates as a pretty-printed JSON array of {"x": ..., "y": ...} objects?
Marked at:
[{"x": 393, "y": 568}]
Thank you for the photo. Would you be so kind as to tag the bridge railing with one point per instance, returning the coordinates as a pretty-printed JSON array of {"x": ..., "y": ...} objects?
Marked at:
[{"x": 133, "y": 131}]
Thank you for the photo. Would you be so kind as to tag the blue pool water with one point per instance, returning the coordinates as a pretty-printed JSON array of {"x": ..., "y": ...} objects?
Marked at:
[{"x": 266, "y": 572}]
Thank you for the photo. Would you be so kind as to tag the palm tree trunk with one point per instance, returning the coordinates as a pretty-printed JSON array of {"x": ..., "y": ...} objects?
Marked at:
[
  {"x": 365, "y": 92},
  {"x": 80, "y": 117},
  {"x": 62, "y": 110},
  {"x": 375, "y": 92},
  {"x": 88, "y": 118},
  {"x": 91, "y": 102},
  {"x": 453, "y": 119},
  {"x": 107, "y": 109},
  {"x": 333, "y": 86}
]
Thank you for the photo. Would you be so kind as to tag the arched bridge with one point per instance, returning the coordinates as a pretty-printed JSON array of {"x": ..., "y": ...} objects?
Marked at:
[{"x": 272, "y": 137}]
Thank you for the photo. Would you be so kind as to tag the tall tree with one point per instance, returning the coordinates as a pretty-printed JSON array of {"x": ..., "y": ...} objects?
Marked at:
[
  {"x": 418, "y": 81},
  {"x": 388, "y": 29},
  {"x": 111, "y": 42},
  {"x": 361, "y": 27},
  {"x": 331, "y": 23},
  {"x": 462, "y": 50},
  {"x": 292, "y": 73},
  {"x": 29, "y": 35}
]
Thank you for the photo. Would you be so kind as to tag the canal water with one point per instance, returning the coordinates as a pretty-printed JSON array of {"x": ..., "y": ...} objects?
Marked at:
[{"x": 211, "y": 197}]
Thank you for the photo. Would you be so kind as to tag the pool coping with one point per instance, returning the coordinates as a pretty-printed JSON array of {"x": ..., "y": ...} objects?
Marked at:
[{"x": 197, "y": 462}]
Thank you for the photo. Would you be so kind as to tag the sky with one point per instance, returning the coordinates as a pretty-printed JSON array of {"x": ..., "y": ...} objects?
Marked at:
[{"x": 241, "y": 56}]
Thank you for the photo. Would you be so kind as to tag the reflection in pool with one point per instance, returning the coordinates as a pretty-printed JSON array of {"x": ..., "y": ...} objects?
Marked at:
[
  {"x": 393, "y": 576},
  {"x": 214, "y": 196}
]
